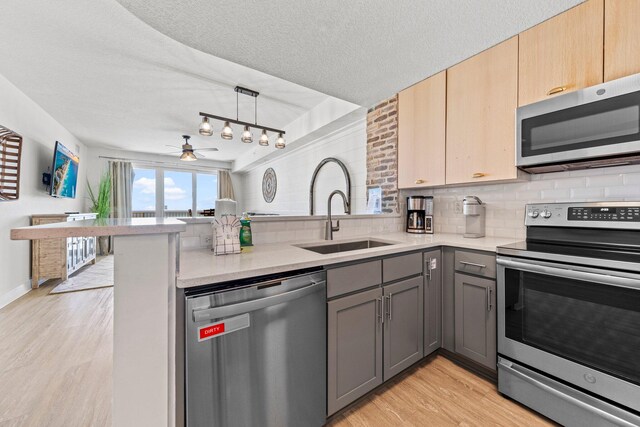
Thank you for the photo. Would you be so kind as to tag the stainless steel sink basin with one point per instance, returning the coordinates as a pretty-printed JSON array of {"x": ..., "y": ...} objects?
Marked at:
[{"x": 332, "y": 248}]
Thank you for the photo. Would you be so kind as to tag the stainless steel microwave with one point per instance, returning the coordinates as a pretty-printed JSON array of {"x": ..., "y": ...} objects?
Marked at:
[{"x": 594, "y": 127}]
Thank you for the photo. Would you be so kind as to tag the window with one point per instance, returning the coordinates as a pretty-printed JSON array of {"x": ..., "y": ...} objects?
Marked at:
[
  {"x": 172, "y": 193},
  {"x": 178, "y": 193},
  {"x": 143, "y": 193},
  {"x": 207, "y": 191}
]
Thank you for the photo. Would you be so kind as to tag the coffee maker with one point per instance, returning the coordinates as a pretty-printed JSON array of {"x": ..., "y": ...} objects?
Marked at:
[
  {"x": 420, "y": 214},
  {"x": 474, "y": 213}
]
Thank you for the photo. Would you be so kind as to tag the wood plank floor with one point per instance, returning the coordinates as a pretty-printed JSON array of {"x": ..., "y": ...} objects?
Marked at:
[
  {"x": 56, "y": 365},
  {"x": 56, "y": 359},
  {"x": 438, "y": 392}
]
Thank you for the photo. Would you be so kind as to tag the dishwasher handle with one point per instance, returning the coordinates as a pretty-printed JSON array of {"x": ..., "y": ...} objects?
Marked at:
[{"x": 258, "y": 304}]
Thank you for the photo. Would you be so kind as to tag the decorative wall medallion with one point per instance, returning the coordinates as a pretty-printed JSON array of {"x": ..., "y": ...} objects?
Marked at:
[{"x": 269, "y": 185}]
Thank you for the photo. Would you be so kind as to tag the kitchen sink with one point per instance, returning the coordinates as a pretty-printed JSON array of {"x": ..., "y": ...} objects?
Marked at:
[{"x": 332, "y": 248}]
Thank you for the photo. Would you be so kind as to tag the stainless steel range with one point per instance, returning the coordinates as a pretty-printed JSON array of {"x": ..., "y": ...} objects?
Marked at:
[{"x": 569, "y": 313}]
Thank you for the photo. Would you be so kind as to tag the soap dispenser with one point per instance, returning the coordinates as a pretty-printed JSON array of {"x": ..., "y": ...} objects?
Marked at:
[{"x": 474, "y": 215}]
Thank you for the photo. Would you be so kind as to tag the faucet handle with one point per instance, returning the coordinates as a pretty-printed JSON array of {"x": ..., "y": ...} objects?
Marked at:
[{"x": 337, "y": 227}]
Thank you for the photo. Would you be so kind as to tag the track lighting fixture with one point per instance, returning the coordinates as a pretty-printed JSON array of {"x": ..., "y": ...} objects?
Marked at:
[
  {"x": 227, "y": 132},
  {"x": 264, "y": 138},
  {"x": 205, "y": 127},
  {"x": 247, "y": 137}
]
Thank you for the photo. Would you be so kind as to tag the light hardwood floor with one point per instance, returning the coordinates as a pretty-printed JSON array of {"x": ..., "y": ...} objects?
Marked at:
[
  {"x": 56, "y": 364},
  {"x": 438, "y": 392},
  {"x": 56, "y": 359}
]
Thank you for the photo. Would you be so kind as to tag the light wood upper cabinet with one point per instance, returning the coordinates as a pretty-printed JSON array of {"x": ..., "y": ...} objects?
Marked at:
[
  {"x": 421, "y": 133},
  {"x": 482, "y": 96},
  {"x": 621, "y": 38},
  {"x": 562, "y": 54}
]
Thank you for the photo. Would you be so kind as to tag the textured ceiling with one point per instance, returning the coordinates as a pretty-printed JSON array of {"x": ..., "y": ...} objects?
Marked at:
[
  {"x": 358, "y": 50},
  {"x": 114, "y": 81}
]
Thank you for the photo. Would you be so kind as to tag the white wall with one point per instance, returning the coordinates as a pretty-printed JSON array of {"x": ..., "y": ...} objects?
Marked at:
[
  {"x": 506, "y": 202},
  {"x": 294, "y": 171},
  {"x": 40, "y": 132}
]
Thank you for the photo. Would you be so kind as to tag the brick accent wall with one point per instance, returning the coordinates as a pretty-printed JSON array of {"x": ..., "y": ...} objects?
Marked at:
[{"x": 382, "y": 151}]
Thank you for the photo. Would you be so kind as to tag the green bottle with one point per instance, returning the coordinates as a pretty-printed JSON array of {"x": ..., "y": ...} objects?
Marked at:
[{"x": 245, "y": 230}]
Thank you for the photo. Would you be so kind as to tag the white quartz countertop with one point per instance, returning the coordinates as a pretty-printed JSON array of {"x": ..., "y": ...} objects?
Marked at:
[
  {"x": 99, "y": 227},
  {"x": 200, "y": 267}
]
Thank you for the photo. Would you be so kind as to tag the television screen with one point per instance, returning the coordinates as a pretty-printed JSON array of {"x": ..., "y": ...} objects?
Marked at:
[{"x": 65, "y": 172}]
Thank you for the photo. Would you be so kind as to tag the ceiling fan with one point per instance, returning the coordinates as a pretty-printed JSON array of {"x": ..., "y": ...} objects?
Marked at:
[{"x": 187, "y": 152}]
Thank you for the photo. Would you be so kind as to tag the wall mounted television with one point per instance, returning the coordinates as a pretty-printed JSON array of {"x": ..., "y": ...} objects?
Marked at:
[{"x": 64, "y": 176}]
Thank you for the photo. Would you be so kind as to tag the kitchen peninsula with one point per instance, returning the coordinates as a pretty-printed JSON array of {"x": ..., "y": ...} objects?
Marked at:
[
  {"x": 145, "y": 266},
  {"x": 149, "y": 273}
]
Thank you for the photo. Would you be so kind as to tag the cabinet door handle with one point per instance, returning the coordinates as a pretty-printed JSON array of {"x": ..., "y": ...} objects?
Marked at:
[
  {"x": 489, "y": 292},
  {"x": 555, "y": 90},
  {"x": 429, "y": 261},
  {"x": 379, "y": 313},
  {"x": 473, "y": 264},
  {"x": 478, "y": 175},
  {"x": 419, "y": 181},
  {"x": 389, "y": 305}
]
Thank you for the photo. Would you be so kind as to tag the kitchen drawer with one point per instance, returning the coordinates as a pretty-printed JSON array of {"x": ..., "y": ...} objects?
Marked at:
[
  {"x": 481, "y": 264},
  {"x": 343, "y": 280},
  {"x": 399, "y": 267}
]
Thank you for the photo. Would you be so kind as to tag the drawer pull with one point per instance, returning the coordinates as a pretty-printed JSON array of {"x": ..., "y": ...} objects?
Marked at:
[
  {"x": 556, "y": 90},
  {"x": 478, "y": 175},
  {"x": 420, "y": 181},
  {"x": 473, "y": 264}
]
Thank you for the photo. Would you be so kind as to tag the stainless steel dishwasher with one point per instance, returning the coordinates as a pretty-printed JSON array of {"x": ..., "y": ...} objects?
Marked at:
[{"x": 256, "y": 353}]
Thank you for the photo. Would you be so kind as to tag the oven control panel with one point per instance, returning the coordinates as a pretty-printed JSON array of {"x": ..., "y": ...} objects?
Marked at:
[
  {"x": 604, "y": 213},
  {"x": 614, "y": 215}
]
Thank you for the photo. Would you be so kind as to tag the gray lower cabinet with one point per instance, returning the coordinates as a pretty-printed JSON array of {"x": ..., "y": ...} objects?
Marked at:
[
  {"x": 403, "y": 326},
  {"x": 432, "y": 301},
  {"x": 475, "y": 319},
  {"x": 354, "y": 362}
]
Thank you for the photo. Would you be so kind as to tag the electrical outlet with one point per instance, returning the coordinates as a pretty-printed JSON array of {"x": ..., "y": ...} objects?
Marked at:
[
  {"x": 457, "y": 207},
  {"x": 206, "y": 240}
]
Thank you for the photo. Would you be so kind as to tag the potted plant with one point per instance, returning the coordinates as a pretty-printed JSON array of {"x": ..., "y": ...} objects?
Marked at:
[{"x": 101, "y": 205}]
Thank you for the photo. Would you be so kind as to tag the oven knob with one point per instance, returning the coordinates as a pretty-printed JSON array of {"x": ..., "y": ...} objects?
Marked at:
[
  {"x": 546, "y": 214},
  {"x": 534, "y": 214}
]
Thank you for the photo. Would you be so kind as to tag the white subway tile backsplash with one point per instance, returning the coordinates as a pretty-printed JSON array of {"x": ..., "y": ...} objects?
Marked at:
[
  {"x": 570, "y": 183},
  {"x": 558, "y": 195},
  {"x": 605, "y": 180},
  {"x": 588, "y": 193},
  {"x": 505, "y": 202}
]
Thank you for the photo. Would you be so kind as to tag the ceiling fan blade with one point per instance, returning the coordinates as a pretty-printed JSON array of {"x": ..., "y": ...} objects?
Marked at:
[
  {"x": 173, "y": 146},
  {"x": 200, "y": 155},
  {"x": 206, "y": 149}
]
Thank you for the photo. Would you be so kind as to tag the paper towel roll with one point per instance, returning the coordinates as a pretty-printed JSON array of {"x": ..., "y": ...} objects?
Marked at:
[{"x": 226, "y": 207}]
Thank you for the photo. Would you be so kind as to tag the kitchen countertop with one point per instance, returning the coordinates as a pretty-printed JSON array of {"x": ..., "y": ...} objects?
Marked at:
[
  {"x": 200, "y": 267},
  {"x": 99, "y": 227}
]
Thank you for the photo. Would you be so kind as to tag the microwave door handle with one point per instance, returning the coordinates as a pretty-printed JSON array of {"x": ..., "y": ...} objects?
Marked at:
[
  {"x": 258, "y": 304},
  {"x": 622, "y": 282}
]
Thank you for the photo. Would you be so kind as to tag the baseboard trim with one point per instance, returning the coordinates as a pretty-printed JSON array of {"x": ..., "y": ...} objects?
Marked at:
[{"x": 14, "y": 294}]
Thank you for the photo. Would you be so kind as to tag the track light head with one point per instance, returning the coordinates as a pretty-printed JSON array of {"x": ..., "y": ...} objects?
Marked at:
[
  {"x": 246, "y": 135},
  {"x": 205, "y": 127},
  {"x": 264, "y": 138},
  {"x": 227, "y": 132}
]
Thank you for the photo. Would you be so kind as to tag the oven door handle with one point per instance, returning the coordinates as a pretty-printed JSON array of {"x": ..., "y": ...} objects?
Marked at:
[
  {"x": 622, "y": 282},
  {"x": 541, "y": 384}
]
